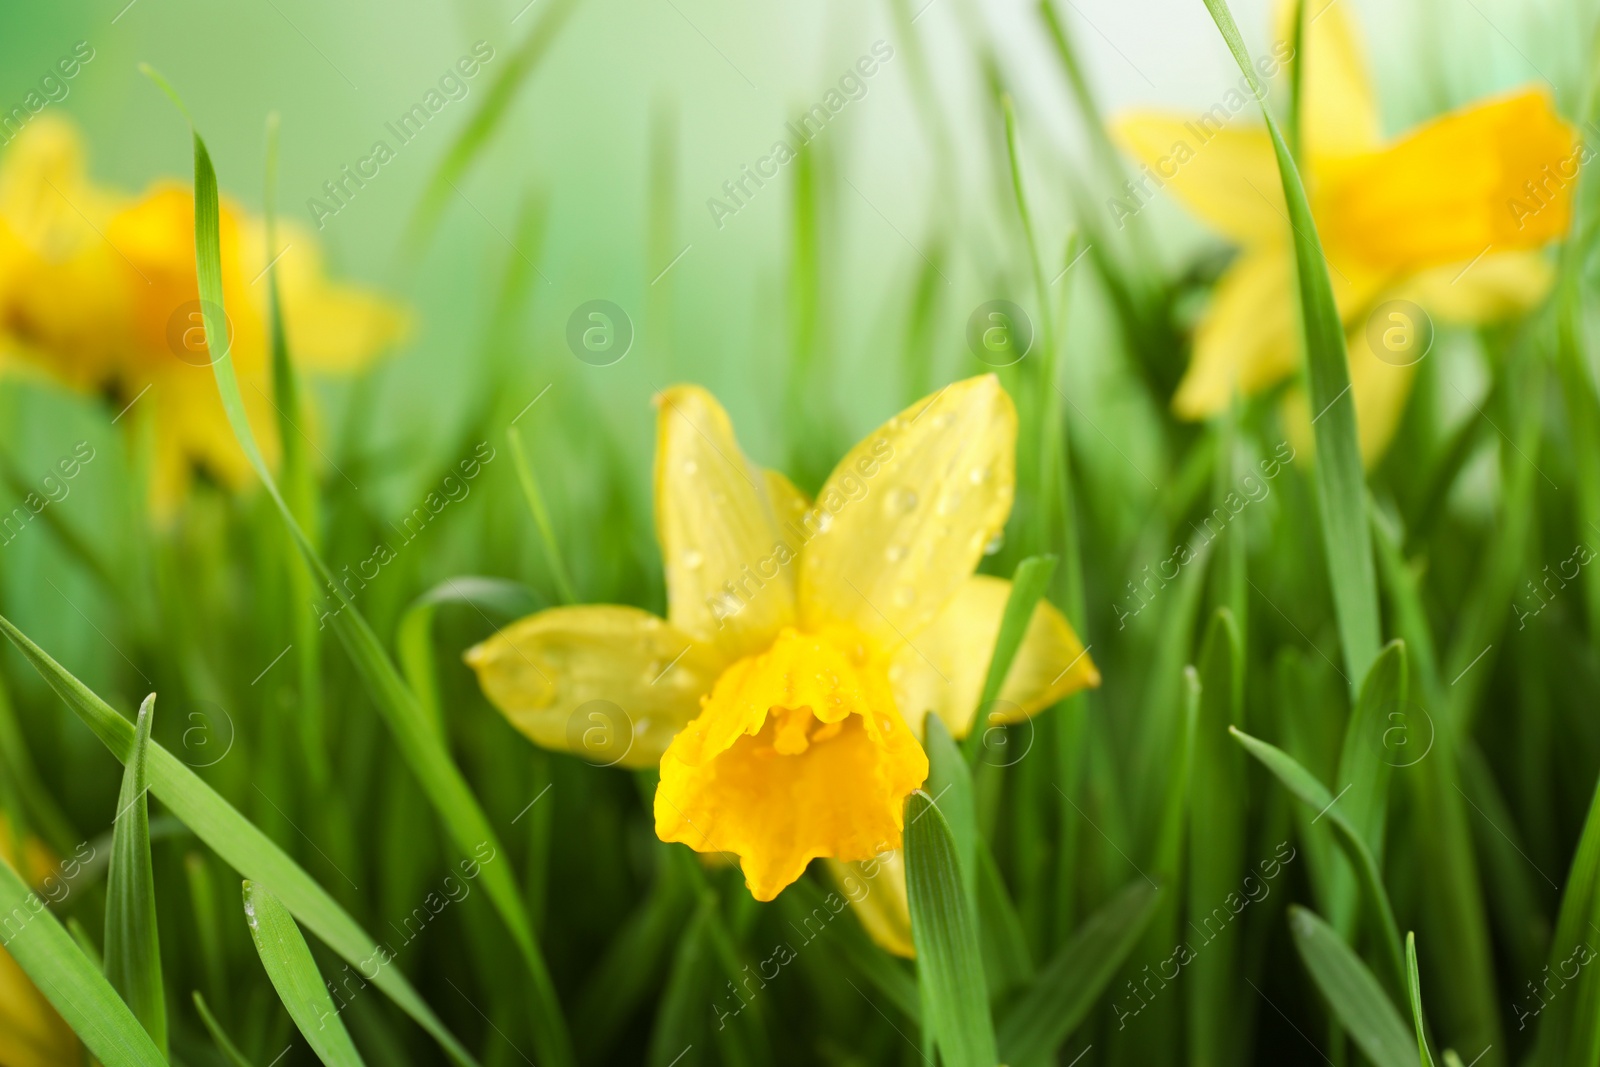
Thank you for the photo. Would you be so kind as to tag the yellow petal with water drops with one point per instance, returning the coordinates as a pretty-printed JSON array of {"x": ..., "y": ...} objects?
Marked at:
[
  {"x": 789, "y": 504},
  {"x": 798, "y": 753},
  {"x": 1497, "y": 175},
  {"x": 31, "y": 1033},
  {"x": 729, "y": 576},
  {"x": 943, "y": 670},
  {"x": 611, "y": 684},
  {"x": 1221, "y": 168},
  {"x": 876, "y": 889},
  {"x": 1246, "y": 341},
  {"x": 905, "y": 515},
  {"x": 1497, "y": 286},
  {"x": 1339, "y": 110}
]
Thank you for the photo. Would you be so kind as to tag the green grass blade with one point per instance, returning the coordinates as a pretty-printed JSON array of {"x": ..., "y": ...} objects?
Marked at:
[
  {"x": 132, "y": 947},
  {"x": 1364, "y": 767},
  {"x": 74, "y": 986},
  {"x": 414, "y": 636},
  {"x": 949, "y": 962},
  {"x": 1007, "y": 963},
  {"x": 950, "y": 784},
  {"x": 1068, "y": 986},
  {"x": 1216, "y": 842},
  {"x": 541, "y": 518},
  {"x": 287, "y": 959},
  {"x": 1340, "y": 480},
  {"x": 481, "y": 126},
  {"x": 1414, "y": 984},
  {"x": 225, "y": 1045},
  {"x": 1028, "y": 584},
  {"x": 237, "y": 840},
  {"x": 1357, "y": 1000},
  {"x": 1304, "y": 785},
  {"x": 422, "y": 748},
  {"x": 1569, "y": 1027}
]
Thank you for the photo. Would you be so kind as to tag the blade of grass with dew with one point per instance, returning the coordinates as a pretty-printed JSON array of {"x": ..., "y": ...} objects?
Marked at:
[
  {"x": 1218, "y": 817},
  {"x": 1304, "y": 785},
  {"x": 1068, "y": 986},
  {"x": 219, "y": 1037},
  {"x": 1355, "y": 996},
  {"x": 423, "y": 751},
  {"x": 1028, "y": 583},
  {"x": 541, "y": 518},
  {"x": 414, "y": 636},
  {"x": 1339, "y": 477},
  {"x": 944, "y": 930},
  {"x": 288, "y": 963},
  {"x": 1414, "y": 984},
  {"x": 234, "y": 838},
  {"x": 45, "y": 951},
  {"x": 132, "y": 946},
  {"x": 472, "y": 139}
]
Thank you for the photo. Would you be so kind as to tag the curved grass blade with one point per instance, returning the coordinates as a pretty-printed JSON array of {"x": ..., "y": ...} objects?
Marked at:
[
  {"x": 1068, "y": 986},
  {"x": 1359, "y": 1003},
  {"x": 414, "y": 638},
  {"x": 287, "y": 959},
  {"x": 1216, "y": 843},
  {"x": 1569, "y": 1029},
  {"x": 236, "y": 839},
  {"x": 421, "y": 747},
  {"x": 225, "y": 1045},
  {"x": 950, "y": 783},
  {"x": 132, "y": 947},
  {"x": 949, "y": 963},
  {"x": 1340, "y": 480},
  {"x": 541, "y": 517},
  {"x": 1304, "y": 785},
  {"x": 1028, "y": 583},
  {"x": 73, "y": 986},
  {"x": 1414, "y": 982},
  {"x": 524, "y": 61}
]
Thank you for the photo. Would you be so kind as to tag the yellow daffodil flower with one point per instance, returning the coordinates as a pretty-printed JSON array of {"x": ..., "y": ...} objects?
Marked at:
[
  {"x": 1447, "y": 217},
  {"x": 31, "y": 1033},
  {"x": 98, "y": 291},
  {"x": 783, "y": 695}
]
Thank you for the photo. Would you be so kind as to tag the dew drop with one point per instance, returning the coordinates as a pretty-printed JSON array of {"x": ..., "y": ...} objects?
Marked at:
[
  {"x": 949, "y": 503},
  {"x": 692, "y": 559},
  {"x": 690, "y": 467},
  {"x": 944, "y": 420},
  {"x": 640, "y": 727},
  {"x": 905, "y": 596},
  {"x": 978, "y": 475},
  {"x": 822, "y": 519},
  {"x": 995, "y": 543},
  {"x": 900, "y": 501},
  {"x": 896, "y": 553}
]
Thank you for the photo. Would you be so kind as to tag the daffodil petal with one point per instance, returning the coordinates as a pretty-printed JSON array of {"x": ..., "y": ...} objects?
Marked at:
[
  {"x": 581, "y": 679},
  {"x": 945, "y": 670},
  {"x": 729, "y": 579},
  {"x": 789, "y": 504},
  {"x": 876, "y": 888},
  {"x": 908, "y": 512},
  {"x": 31, "y": 1033},
  {"x": 1339, "y": 113},
  {"x": 1496, "y": 287},
  {"x": 1246, "y": 340},
  {"x": 1495, "y": 175},
  {"x": 1226, "y": 175}
]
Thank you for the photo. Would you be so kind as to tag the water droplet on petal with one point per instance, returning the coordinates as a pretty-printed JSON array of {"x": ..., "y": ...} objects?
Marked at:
[
  {"x": 640, "y": 727},
  {"x": 900, "y": 501},
  {"x": 822, "y": 519},
  {"x": 995, "y": 543},
  {"x": 692, "y": 559},
  {"x": 944, "y": 420},
  {"x": 690, "y": 467},
  {"x": 949, "y": 503},
  {"x": 978, "y": 475},
  {"x": 905, "y": 596},
  {"x": 896, "y": 553}
]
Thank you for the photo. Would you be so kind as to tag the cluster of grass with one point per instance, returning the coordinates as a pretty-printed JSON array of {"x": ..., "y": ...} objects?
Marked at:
[{"x": 1335, "y": 799}]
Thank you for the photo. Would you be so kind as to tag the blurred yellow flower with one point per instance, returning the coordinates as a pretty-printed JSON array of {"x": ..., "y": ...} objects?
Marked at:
[
  {"x": 1447, "y": 217},
  {"x": 784, "y": 694},
  {"x": 98, "y": 290},
  {"x": 31, "y": 1033}
]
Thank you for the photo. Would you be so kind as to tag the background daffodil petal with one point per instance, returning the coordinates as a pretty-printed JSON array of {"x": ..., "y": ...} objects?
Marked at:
[
  {"x": 1246, "y": 340},
  {"x": 1497, "y": 286},
  {"x": 789, "y": 504},
  {"x": 1226, "y": 175},
  {"x": 1340, "y": 113},
  {"x": 31, "y": 1033},
  {"x": 944, "y": 673},
  {"x": 1494, "y": 175},
  {"x": 540, "y": 671},
  {"x": 876, "y": 888},
  {"x": 908, "y": 512},
  {"x": 729, "y": 574}
]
